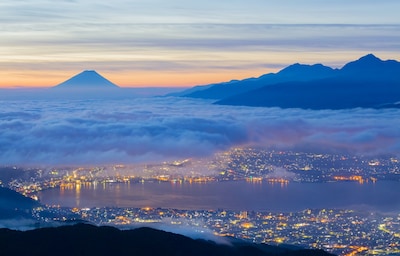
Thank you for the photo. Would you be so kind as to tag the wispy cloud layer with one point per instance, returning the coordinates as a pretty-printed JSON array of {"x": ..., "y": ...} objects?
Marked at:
[
  {"x": 223, "y": 11},
  {"x": 188, "y": 37},
  {"x": 145, "y": 130}
]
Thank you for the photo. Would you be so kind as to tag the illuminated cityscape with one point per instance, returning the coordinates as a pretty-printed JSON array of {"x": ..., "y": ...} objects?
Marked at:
[
  {"x": 252, "y": 165},
  {"x": 340, "y": 231},
  {"x": 343, "y": 232}
]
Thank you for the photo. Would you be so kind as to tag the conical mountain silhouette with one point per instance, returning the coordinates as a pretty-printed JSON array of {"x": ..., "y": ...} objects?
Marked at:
[{"x": 88, "y": 79}]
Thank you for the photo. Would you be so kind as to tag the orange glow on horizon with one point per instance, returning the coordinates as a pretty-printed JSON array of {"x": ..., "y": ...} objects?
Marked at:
[
  {"x": 185, "y": 77},
  {"x": 31, "y": 79}
]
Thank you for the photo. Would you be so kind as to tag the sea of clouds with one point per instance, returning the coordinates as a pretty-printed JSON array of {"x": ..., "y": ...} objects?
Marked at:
[{"x": 76, "y": 132}]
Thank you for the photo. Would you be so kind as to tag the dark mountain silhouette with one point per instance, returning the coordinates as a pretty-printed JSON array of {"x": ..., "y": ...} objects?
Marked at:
[
  {"x": 321, "y": 94},
  {"x": 88, "y": 79},
  {"x": 371, "y": 67},
  {"x": 83, "y": 239},
  {"x": 10, "y": 199},
  {"x": 368, "y": 83},
  {"x": 301, "y": 72},
  {"x": 14, "y": 205},
  {"x": 88, "y": 85},
  {"x": 295, "y": 72}
]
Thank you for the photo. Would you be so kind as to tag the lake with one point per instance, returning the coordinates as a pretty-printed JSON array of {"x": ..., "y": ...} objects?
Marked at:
[{"x": 235, "y": 195}]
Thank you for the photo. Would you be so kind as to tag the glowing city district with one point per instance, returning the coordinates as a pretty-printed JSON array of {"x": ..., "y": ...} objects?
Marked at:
[{"x": 340, "y": 231}]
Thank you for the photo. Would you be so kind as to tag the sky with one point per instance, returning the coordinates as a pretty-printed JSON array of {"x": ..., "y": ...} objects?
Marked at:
[{"x": 140, "y": 43}]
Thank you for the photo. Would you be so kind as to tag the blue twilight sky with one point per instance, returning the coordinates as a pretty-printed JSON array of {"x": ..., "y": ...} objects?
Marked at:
[{"x": 176, "y": 42}]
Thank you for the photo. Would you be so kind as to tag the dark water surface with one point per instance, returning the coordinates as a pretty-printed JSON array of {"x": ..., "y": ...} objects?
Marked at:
[{"x": 240, "y": 195}]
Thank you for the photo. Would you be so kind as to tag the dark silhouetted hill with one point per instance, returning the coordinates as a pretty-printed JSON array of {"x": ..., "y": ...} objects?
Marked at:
[
  {"x": 321, "y": 94},
  {"x": 14, "y": 205},
  {"x": 372, "y": 68},
  {"x": 83, "y": 239},
  {"x": 368, "y": 82},
  {"x": 9, "y": 199},
  {"x": 295, "y": 72}
]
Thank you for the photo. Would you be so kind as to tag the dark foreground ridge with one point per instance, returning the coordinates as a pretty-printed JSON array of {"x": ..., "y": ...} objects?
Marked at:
[{"x": 83, "y": 239}]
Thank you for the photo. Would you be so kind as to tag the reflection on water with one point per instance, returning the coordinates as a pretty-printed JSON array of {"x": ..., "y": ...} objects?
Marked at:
[{"x": 240, "y": 195}]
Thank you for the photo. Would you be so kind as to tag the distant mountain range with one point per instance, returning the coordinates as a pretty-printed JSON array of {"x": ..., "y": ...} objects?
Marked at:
[
  {"x": 368, "y": 82},
  {"x": 83, "y": 239}
]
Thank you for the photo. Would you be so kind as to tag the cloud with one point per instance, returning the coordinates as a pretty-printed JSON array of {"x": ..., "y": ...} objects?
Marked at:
[
  {"x": 279, "y": 172},
  {"x": 131, "y": 46},
  {"x": 223, "y": 11},
  {"x": 157, "y": 129},
  {"x": 187, "y": 228},
  {"x": 122, "y": 36},
  {"x": 18, "y": 224}
]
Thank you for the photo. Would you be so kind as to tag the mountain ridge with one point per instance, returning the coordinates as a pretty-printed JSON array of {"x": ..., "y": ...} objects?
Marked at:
[
  {"x": 14, "y": 205},
  {"x": 10, "y": 200},
  {"x": 368, "y": 82},
  {"x": 85, "y": 239},
  {"x": 233, "y": 87},
  {"x": 371, "y": 67}
]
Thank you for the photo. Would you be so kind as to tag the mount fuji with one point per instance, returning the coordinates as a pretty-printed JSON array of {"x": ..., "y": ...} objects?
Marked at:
[
  {"x": 87, "y": 80},
  {"x": 88, "y": 85}
]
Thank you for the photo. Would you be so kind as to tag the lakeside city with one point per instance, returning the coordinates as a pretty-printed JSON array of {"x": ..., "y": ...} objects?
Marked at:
[
  {"x": 339, "y": 231},
  {"x": 249, "y": 164}
]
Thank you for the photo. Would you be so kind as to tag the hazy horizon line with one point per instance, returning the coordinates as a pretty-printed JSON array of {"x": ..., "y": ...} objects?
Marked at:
[
  {"x": 119, "y": 86},
  {"x": 277, "y": 70}
]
